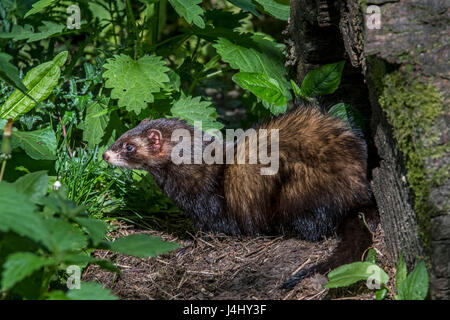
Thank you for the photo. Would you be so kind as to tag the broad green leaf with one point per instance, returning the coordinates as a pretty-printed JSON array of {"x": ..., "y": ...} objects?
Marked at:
[
  {"x": 39, "y": 6},
  {"x": 350, "y": 273},
  {"x": 323, "y": 80},
  {"x": 64, "y": 236},
  {"x": 134, "y": 82},
  {"x": 94, "y": 125},
  {"x": 192, "y": 109},
  {"x": 90, "y": 291},
  {"x": 47, "y": 30},
  {"x": 262, "y": 86},
  {"x": 17, "y": 214},
  {"x": 348, "y": 114},
  {"x": 9, "y": 72},
  {"x": 401, "y": 271},
  {"x": 263, "y": 56},
  {"x": 84, "y": 259},
  {"x": 371, "y": 256},
  {"x": 380, "y": 294},
  {"x": 142, "y": 246},
  {"x": 40, "y": 81},
  {"x": 33, "y": 184},
  {"x": 95, "y": 228},
  {"x": 246, "y": 5},
  {"x": 38, "y": 144},
  {"x": 20, "y": 265},
  {"x": 415, "y": 286},
  {"x": 276, "y": 9},
  {"x": 189, "y": 10},
  {"x": 297, "y": 90}
]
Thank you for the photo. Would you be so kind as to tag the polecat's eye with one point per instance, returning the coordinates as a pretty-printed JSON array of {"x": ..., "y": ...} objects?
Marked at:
[{"x": 130, "y": 148}]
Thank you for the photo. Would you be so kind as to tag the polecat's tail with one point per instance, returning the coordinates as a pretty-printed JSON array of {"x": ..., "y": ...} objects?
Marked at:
[{"x": 355, "y": 239}]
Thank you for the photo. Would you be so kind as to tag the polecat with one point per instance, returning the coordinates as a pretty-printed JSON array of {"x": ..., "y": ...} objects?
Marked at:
[{"x": 321, "y": 179}]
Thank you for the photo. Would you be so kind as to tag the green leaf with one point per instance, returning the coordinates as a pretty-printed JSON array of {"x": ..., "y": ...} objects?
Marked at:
[
  {"x": 350, "y": 273},
  {"x": 415, "y": 286},
  {"x": 56, "y": 295},
  {"x": 192, "y": 109},
  {"x": 38, "y": 144},
  {"x": 94, "y": 125},
  {"x": 142, "y": 246},
  {"x": 65, "y": 236},
  {"x": 323, "y": 80},
  {"x": 90, "y": 291},
  {"x": 297, "y": 90},
  {"x": 39, "y": 6},
  {"x": 401, "y": 271},
  {"x": 348, "y": 114},
  {"x": 17, "y": 213},
  {"x": 33, "y": 184},
  {"x": 189, "y": 10},
  {"x": 133, "y": 82},
  {"x": 275, "y": 9},
  {"x": 262, "y": 86},
  {"x": 262, "y": 56},
  {"x": 246, "y": 5},
  {"x": 95, "y": 228},
  {"x": 9, "y": 73},
  {"x": 371, "y": 256},
  {"x": 20, "y": 265},
  {"x": 40, "y": 81},
  {"x": 380, "y": 294},
  {"x": 47, "y": 30}
]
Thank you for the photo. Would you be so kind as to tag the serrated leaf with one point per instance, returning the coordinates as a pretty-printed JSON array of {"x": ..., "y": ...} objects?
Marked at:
[
  {"x": 349, "y": 115},
  {"x": 94, "y": 125},
  {"x": 20, "y": 265},
  {"x": 246, "y": 5},
  {"x": 39, "y": 6},
  {"x": 142, "y": 246},
  {"x": 38, "y": 144},
  {"x": 17, "y": 214},
  {"x": 275, "y": 9},
  {"x": 96, "y": 228},
  {"x": 415, "y": 286},
  {"x": 192, "y": 109},
  {"x": 262, "y": 86},
  {"x": 350, "y": 273},
  {"x": 189, "y": 10},
  {"x": 33, "y": 184},
  {"x": 90, "y": 291},
  {"x": 323, "y": 80},
  {"x": 401, "y": 271},
  {"x": 40, "y": 81},
  {"x": 9, "y": 73},
  {"x": 64, "y": 236},
  {"x": 134, "y": 82}
]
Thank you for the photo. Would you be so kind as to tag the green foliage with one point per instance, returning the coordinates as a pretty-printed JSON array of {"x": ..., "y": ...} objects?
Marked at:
[
  {"x": 415, "y": 285},
  {"x": 348, "y": 114},
  {"x": 189, "y": 10},
  {"x": 350, "y": 273},
  {"x": 9, "y": 72},
  {"x": 323, "y": 80}
]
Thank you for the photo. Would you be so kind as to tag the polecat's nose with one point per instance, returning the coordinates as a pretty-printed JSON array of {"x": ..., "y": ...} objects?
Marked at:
[{"x": 106, "y": 156}]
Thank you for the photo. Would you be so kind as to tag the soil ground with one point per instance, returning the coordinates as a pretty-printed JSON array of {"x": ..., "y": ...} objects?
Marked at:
[{"x": 218, "y": 267}]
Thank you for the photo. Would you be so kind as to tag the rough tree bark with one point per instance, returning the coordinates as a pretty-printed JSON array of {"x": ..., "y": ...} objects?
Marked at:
[{"x": 397, "y": 75}]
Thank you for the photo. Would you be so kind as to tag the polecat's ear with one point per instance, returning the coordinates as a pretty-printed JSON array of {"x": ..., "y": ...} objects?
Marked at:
[{"x": 155, "y": 139}]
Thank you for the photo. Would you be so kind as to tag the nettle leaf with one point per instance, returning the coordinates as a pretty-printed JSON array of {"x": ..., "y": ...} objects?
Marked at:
[
  {"x": 90, "y": 291},
  {"x": 134, "y": 82},
  {"x": 95, "y": 228},
  {"x": 262, "y": 86},
  {"x": 17, "y": 214},
  {"x": 38, "y": 144},
  {"x": 246, "y": 5},
  {"x": 9, "y": 73},
  {"x": 263, "y": 56},
  {"x": 350, "y": 273},
  {"x": 65, "y": 236},
  {"x": 275, "y": 9},
  {"x": 323, "y": 80},
  {"x": 40, "y": 81},
  {"x": 348, "y": 114},
  {"x": 20, "y": 265},
  {"x": 225, "y": 19},
  {"x": 95, "y": 123},
  {"x": 45, "y": 31},
  {"x": 39, "y": 6},
  {"x": 189, "y": 10},
  {"x": 33, "y": 184},
  {"x": 142, "y": 245},
  {"x": 415, "y": 286},
  {"x": 192, "y": 109}
]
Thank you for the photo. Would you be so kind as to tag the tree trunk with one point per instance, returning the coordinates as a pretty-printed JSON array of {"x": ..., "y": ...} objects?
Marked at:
[{"x": 397, "y": 75}]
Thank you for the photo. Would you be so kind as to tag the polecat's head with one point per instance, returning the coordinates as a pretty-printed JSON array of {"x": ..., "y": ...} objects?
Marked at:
[{"x": 140, "y": 148}]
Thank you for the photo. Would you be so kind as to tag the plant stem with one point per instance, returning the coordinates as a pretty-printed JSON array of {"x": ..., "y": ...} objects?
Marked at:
[
  {"x": 132, "y": 20},
  {"x": 2, "y": 171}
]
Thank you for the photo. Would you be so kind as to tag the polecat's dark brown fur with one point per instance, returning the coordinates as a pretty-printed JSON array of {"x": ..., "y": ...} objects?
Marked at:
[{"x": 321, "y": 178}]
